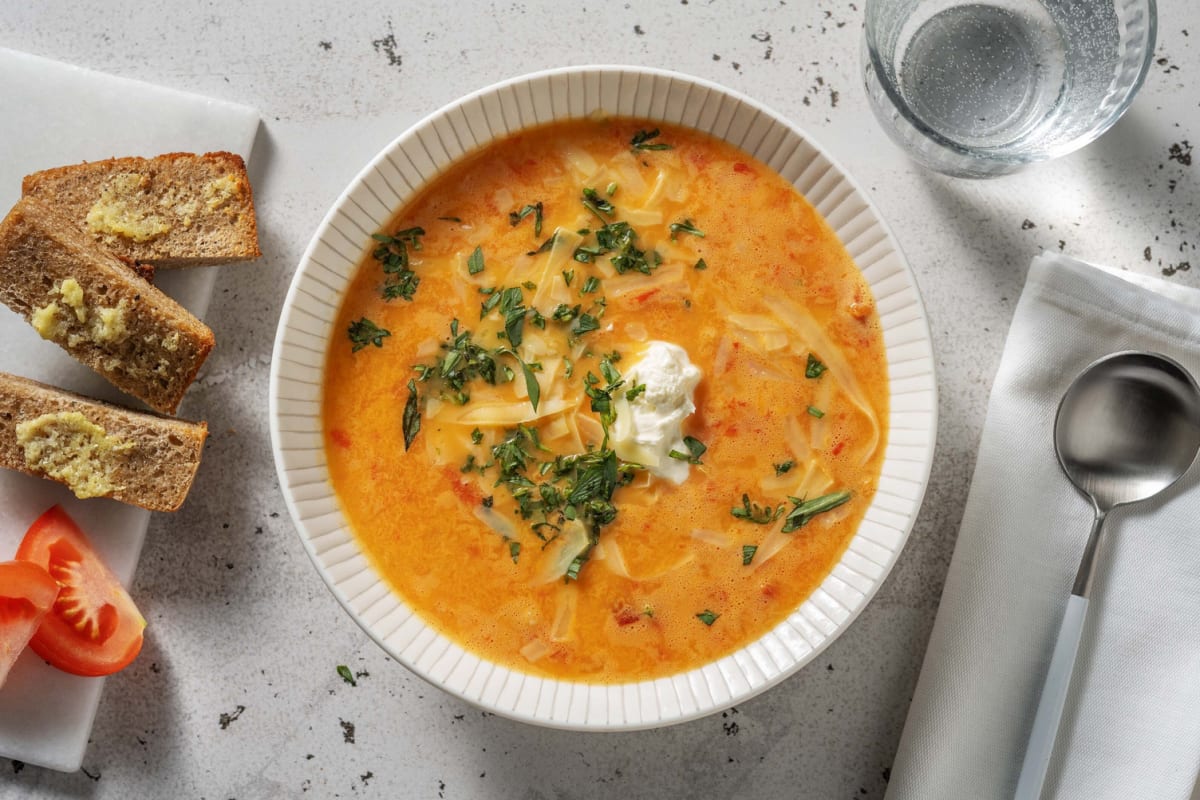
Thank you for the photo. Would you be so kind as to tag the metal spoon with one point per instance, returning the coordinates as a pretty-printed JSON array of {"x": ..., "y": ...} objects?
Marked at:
[{"x": 1127, "y": 428}]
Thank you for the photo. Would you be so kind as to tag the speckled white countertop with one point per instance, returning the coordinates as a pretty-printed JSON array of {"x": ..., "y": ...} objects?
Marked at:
[{"x": 236, "y": 693}]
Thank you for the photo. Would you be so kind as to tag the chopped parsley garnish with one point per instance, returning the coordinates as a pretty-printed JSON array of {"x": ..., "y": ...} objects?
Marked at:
[
  {"x": 568, "y": 276},
  {"x": 512, "y": 309},
  {"x": 814, "y": 368},
  {"x": 784, "y": 467},
  {"x": 707, "y": 617},
  {"x": 393, "y": 255},
  {"x": 531, "y": 385},
  {"x": 748, "y": 551},
  {"x": 696, "y": 448},
  {"x": 475, "y": 261},
  {"x": 476, "y": 436},
  {"x": 815, "y": 412},
  {"x": 590, "y": 285},
  {"x": 572, "y": 487},
  {"x": 469, "y": 464},
  {"x": 804, "y": 510},
  {"x": 635, "y": 392},
  {"x": 642, "y": 141},
  {"x": 565, "y": 313},
  {"x": 364, "y": 332},
  {"x": 463, "y": 361},
  {"x": 585, "y": 323},
  {"x": 753, "y": 512},
  {"x": 596, "y": 204},
  {"x": 515, "y": 217},
  {"x": 701, "y": 264},
  {"x": 687, "y": 226},
  {"x": 546, "y": 245},
  {"x": 514, "y": 549},
  {"x": 412, "y": 415},
  {"x": 345, "y": 674}
]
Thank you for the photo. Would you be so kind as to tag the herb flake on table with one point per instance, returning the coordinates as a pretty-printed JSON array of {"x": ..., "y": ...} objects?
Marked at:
[{"x": 346, "y": 675}]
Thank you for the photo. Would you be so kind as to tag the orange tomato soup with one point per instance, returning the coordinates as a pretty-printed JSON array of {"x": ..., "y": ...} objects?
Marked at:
[{"x": 519, "y": 557}]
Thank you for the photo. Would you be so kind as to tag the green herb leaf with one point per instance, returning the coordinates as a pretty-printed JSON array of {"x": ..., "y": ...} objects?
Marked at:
[
  {"x": 568, "y": 276},
  {"x": 590, "y": 285},
  {"x": 701, "y": 264},
  {"x": 514, "y": 549},
  {"x": 476, "y": 436},
  {"x": 515, "y": 217},
  {"x": 364, "y": 332},
  {"x": 814, "y": 368},
  {"x": 816, "y": 412},
  {"x": 696, "y": 448},
  {"x": 642, "y": 141},
  {"x": 585, "y": 323},
  {"x": 635, "y": 392},
  {"x": 412, "y": 415},
  {"x": 596, "y": 204},
  {"x": 784, "y": 467},
  {"x": 393, "y": 256},
  {"x": 546, "y": 246},
  {"x": 531, "y": 385},
  {"x": 707, "y": 617},
  {"x": 687, "y": 226},
  {"x": 748, "y": 551},
  {"x": 804, "y": 510},
  {"x": 753, "y": 512},
  {"x": 344, "y": 672},
  {"x": 475, "y": 261}
]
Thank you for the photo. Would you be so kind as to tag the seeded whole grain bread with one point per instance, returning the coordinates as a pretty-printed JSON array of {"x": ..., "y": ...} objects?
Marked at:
[
  {"x": 173, "y": 210},
  {"x": 97, "y": 449},
  {"x": 78, "y": 295}
]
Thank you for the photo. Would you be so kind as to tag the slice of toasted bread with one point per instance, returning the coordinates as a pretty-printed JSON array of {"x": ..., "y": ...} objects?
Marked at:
[
  {"x": 174, "y": 210},
  {"x": 90, "y": 303},
  {"x": 97, "y": 449}
]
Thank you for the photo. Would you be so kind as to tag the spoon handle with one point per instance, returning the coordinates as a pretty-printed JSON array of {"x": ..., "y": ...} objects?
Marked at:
[{"x": 1054, "y": 698}]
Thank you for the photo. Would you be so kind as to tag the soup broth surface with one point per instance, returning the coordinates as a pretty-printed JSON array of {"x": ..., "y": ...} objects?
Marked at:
[{"x": 558, "y": 255}]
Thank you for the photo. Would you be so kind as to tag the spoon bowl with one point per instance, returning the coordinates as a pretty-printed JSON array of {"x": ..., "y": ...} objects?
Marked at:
[{"x": 1127, "y": 428}]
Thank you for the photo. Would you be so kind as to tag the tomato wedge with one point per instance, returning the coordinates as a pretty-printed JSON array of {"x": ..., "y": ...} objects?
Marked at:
[
  {"x": 26, "y": 592},
  {"x": 93, "y": 627}
]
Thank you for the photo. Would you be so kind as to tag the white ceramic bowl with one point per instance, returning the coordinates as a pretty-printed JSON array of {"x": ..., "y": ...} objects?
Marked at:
[{"x": 369, "y": 203}]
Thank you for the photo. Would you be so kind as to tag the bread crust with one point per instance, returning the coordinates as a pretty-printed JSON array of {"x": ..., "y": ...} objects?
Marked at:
[
  {"x": 153, "y": 468},
  {"x": 97, "y": 309},
  {"x": 194, "y": 210}
]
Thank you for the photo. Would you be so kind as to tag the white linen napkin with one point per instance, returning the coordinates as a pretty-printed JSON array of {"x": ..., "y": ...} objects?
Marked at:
[{"x": 1132, "y": 723}]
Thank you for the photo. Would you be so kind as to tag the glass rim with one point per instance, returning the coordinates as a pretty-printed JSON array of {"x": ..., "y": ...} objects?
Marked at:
[{"x": 871, "y": 54}]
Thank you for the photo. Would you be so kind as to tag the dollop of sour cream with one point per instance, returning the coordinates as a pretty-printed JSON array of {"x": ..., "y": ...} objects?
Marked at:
[{"x": 650, "y": 426}]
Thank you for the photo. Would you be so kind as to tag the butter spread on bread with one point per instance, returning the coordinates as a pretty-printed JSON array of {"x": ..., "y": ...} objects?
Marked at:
[
  {"x": 173, "y": 210},
  {"x": 87, "y": 301},
  {"x": 97, "y": 449}
]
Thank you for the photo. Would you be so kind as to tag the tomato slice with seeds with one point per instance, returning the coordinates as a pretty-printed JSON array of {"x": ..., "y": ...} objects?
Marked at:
[
  {"x": 93, "y": 628},
  {"x": 26, "y": 593}
]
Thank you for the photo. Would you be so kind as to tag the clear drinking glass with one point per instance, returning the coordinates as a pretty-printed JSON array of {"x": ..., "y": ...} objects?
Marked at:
[{"x": 984, "y": 87}]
